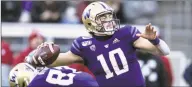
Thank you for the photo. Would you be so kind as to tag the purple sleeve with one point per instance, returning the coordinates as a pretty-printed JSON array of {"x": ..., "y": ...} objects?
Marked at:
[
  {"x": 133, "y": 32},
  {"x": 130, "y": 32},
  {"x": 75, "y": 47}
]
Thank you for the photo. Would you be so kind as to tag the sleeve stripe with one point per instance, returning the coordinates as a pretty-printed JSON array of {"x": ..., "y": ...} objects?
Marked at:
[
  {"x": 77, "y": 44},
  {"x": 134, "y": 31},
  {"x": 75, "y": 47}
]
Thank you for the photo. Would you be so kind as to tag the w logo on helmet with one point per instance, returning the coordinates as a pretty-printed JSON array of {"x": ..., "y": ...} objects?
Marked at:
[
  {"x": 12, "y": 79},
  {"x": 87, "y": 14}
]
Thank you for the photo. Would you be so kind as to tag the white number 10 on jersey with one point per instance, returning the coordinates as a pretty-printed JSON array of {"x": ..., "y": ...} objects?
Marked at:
[{"x": 113, "y": 61}]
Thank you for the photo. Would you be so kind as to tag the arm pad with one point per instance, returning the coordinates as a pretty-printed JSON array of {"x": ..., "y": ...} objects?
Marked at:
[{"x": 163, "y": 47}]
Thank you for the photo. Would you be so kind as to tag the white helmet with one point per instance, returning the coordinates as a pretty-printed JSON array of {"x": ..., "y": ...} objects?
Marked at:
[
  {"x": 100, "y": 19},
  {"x": 21, "y": 75}
]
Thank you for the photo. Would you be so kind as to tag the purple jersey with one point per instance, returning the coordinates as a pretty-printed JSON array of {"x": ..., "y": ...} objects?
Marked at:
[
  {"x": 63, "y": 76},
  {"x": 113, "y": 61}
]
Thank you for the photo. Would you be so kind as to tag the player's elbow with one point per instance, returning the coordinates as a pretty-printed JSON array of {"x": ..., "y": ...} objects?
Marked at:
[
  {"x": 163, "y": 48},
  {"x": 164, "y": 52},
  {"x": 167, "y": 52}
]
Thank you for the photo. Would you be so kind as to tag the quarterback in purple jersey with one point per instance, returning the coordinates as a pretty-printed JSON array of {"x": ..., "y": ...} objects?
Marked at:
[{"x": 109, "y": 51}]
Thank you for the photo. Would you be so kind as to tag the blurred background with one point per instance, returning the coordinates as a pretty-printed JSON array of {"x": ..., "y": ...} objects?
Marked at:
[{"x": 26, "y": 24}]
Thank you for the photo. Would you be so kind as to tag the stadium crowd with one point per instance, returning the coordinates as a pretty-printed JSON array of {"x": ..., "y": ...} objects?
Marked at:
[{"x": 70, "y": 11}]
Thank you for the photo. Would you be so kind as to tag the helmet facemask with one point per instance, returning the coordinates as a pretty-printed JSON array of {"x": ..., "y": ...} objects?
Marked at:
[{"x": 107, "y": 23}]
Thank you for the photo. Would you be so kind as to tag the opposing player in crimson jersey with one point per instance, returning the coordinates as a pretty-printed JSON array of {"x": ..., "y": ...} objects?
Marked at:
[{"x": 109, "y": 51}]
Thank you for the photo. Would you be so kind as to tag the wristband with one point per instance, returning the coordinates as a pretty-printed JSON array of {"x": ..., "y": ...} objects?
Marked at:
[{"x": 155, "y": 41}]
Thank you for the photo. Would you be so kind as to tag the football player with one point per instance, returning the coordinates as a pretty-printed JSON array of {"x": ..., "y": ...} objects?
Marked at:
[
  {"x": 109, "y": 52},
  {"x": 25, "y": 75}
]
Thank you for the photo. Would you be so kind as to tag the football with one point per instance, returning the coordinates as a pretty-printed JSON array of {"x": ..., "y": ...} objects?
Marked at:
[{"x": 46, "y": 54}]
